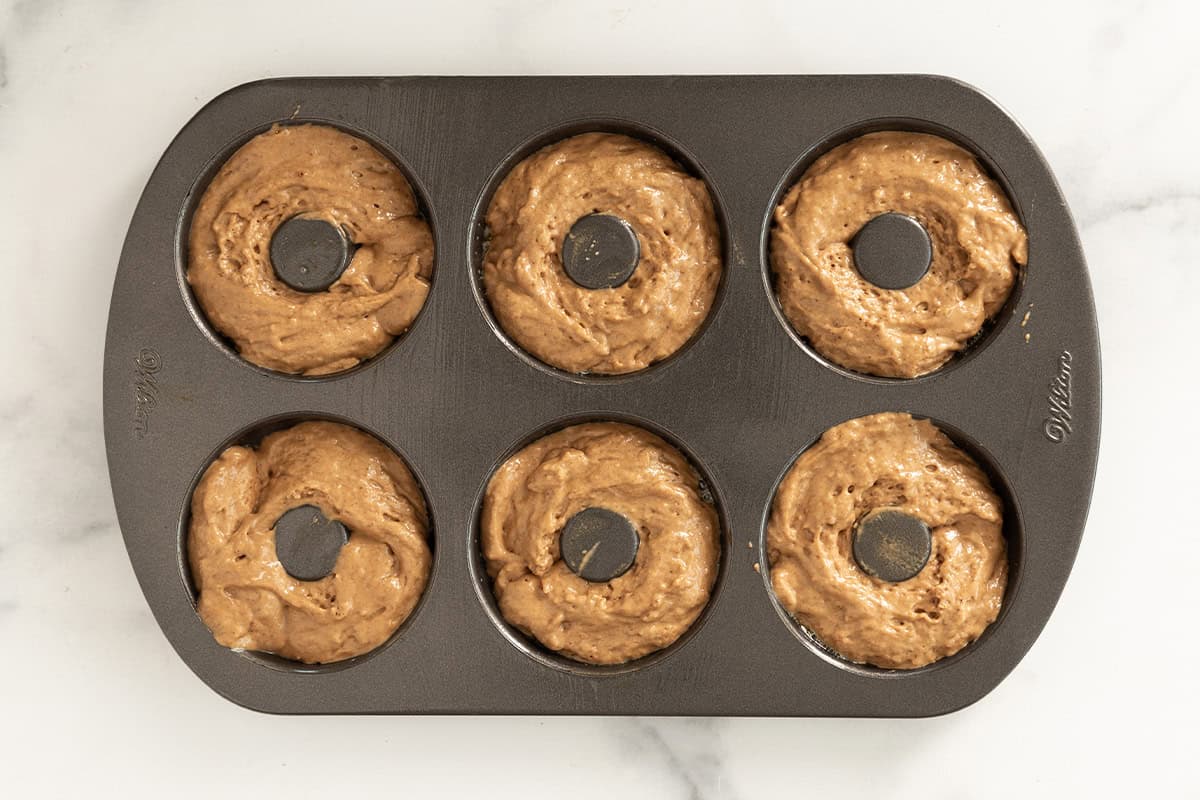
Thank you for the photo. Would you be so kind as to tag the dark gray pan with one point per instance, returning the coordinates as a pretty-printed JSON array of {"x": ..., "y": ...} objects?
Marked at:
[{"x": 742, "y": 400}]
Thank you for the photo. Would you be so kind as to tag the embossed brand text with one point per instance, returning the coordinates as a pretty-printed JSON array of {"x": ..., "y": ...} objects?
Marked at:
[
  {"x": 1057, "y": 425},
  {"x": 145, "y": 389}
]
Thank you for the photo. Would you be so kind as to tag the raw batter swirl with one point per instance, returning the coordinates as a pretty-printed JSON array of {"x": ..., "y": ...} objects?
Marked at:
[
  {"x": 888, "y": 461},
  {"x": 247, "y": 598},
  {"x": 318, "y": 172},
  {"x": 978, "y": 246},
  {"x": 608, "y": 331},
  {"x": 624, "y": 469}
]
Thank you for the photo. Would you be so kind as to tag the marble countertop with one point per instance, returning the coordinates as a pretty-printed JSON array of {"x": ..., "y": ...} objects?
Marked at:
[{"x": 93, "y": 698}]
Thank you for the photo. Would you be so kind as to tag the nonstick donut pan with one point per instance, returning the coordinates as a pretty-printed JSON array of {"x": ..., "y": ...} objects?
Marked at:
[{"x": 454, "y": 397}]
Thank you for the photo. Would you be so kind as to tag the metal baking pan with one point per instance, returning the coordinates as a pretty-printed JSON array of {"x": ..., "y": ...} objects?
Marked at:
[{"x": 454, "y": 397}]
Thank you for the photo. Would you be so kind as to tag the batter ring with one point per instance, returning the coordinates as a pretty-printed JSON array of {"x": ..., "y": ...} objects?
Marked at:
[
  {"x": 977, "y": 241},
  {"x": 318, "y": 172},
  {"x": 625, "y": 469},
  {"x": 888, "y": 461},
  {"x": 249, "y": 601},
  {"x": 606, "y": 331}
]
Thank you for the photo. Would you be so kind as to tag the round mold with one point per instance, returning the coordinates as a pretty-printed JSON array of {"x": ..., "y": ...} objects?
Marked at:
[
  {"x": 200, "y": 185},
  {"x": 1012, "y": 528},
  {"x": 251, "y": 436},
  {"x": 530, "y": 646},
  {"x": 480, "y": 235},
  {"x": 991, "y": 327}
]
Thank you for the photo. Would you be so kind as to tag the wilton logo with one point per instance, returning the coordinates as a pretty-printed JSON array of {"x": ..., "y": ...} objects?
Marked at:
[
  {"x": 1057, "y": 425},
  {"x": 145, "y": 389}
]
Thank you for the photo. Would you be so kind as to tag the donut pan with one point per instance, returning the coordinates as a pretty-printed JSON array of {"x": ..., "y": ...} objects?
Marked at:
[{"x": 742, "y": 400}]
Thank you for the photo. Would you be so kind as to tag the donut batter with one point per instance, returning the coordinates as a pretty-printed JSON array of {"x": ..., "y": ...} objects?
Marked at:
[
  {"x": 320, "y": 172},
  {"x": 624, "y": 469},
  {"x": 247, "y": 598},
  {"x": 888, "y": 461},
  {"x": 608, "y": 331},
  {"x": 978, "y": 246}
]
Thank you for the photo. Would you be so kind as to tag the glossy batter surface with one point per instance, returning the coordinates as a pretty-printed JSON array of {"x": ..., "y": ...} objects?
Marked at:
[
  {"x": 888, "y": 461},
  {"x": 978, "y": 246},
  {"x": 247, "y": 598},
  {"x": 609, "y": 331},
  {"x": 319, "y": 172},
  {"x": 624, "y": 469}
]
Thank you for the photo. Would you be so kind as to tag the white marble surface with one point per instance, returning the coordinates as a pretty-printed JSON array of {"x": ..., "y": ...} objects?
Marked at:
[{"x": 92, "y": 699}]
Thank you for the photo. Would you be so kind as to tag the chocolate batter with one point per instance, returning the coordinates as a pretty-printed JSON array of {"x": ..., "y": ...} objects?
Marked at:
[
  {"x": 624, "y": 469},
  {"x": 609, "y": 331},
  {"x": 247, "y": 598},
  {"x": 320, "y": 172},
  {"x": 888, "y": 461},
  {"x": 978, "y": 246}
]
